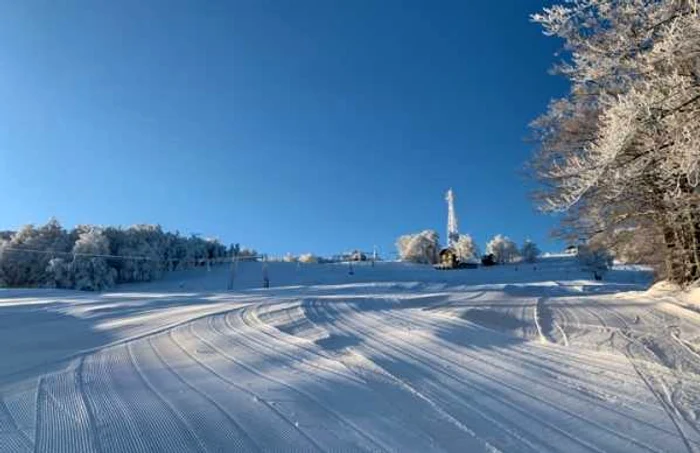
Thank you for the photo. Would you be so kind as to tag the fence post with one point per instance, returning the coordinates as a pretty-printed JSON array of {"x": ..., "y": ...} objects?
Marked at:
[{"x": 265, "y": 275}]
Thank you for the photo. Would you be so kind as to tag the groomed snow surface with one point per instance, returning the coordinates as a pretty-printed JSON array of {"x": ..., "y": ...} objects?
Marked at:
[{"x": 392, "y": 358}]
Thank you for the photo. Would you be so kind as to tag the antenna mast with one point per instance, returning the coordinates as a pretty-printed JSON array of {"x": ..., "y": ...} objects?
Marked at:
[{"x": 452, "y": 228}]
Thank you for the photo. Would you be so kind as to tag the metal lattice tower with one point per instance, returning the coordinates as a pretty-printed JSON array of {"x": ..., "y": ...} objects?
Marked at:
[{"x": 452, "y": 228}]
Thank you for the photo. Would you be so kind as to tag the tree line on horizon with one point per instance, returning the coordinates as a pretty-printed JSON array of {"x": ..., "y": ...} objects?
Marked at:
[{"x": 91, "y": 257}]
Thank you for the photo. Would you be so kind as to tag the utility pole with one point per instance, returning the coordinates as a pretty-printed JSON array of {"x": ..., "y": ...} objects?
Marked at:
[
  {"x": 234, "y": 264},
  {"x": 266, "y": 277}
]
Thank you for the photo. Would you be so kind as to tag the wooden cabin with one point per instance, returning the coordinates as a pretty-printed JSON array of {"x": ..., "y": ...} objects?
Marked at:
[
  {"x": 450, "y": 260},
  {"x": 447, "y": 259}
]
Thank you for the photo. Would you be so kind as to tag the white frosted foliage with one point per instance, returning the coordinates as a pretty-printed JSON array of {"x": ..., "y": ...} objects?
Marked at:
[
  {"x": 503, "y": 249},
  {"x": 421, "y": 248}
]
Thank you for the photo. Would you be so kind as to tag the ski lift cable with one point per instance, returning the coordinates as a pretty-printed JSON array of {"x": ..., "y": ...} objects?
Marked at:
[{"x": 125, "y": 257}]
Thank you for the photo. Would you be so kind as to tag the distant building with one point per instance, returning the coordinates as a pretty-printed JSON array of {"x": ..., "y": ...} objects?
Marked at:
[
  {"x": 358, "y": 256},
  {"x": 448, "y": 258}
]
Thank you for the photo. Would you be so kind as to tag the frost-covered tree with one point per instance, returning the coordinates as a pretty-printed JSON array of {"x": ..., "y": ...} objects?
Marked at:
[
  {"x": 635, "y": 246},
  {"x": 25, "y": 257},
  {"x": 529, "y": 251},
  {"x": 308, "y": 258},
  {"x": 503, "y": 249},
  {"x": 595, "y": 259},
  {"x": 422, "y": 247},
  {"x": 289, "y": 258},
  {"x": 89, "y": 267},
  {"x": 59, "y": 274},
  {"x": 94, "y": 258},
  {"x": 138, "y": 248},
  {"x": 621, "y": 152},
  {"x": 466, "y": 249}
]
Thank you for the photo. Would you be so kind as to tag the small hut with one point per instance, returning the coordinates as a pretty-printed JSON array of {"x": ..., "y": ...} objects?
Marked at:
[{"x": 448, "y": 259}]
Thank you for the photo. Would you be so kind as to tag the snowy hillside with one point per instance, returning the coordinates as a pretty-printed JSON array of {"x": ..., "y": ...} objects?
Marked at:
[{"x": 396, "y": 357}]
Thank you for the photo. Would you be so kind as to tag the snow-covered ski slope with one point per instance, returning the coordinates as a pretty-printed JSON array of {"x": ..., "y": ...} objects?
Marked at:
[{"x": 393, "y": 358}]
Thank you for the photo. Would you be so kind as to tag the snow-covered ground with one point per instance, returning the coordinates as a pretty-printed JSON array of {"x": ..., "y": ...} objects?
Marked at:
[{"x": 392, "y": 358}]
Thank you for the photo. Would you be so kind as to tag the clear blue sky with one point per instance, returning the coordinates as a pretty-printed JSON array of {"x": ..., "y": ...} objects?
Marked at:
[{"x": 288, "y": 125}]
